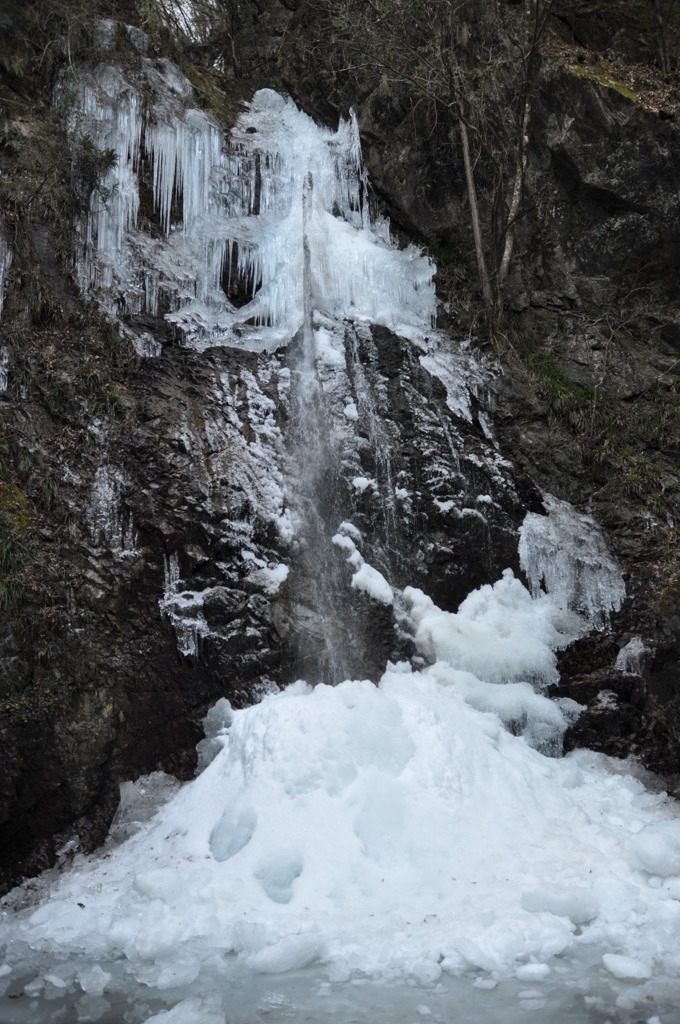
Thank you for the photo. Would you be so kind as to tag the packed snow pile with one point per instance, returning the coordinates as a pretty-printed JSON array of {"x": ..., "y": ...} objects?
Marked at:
[
  {"x": 499, "y": 633},
  {"x": 397, "y": 831}
]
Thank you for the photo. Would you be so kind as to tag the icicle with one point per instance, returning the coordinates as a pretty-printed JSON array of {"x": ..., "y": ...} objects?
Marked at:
[
  {"x": 109, "y": 114},
  {"x": 249, "y": 197},
  {"x": 566, "y": 553},
  {"x": 110, "y": 527},
  {"x": 184, "y": 154}
]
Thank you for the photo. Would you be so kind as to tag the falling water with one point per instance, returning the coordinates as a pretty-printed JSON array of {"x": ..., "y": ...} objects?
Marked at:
[{"x": 314, "y": 488}]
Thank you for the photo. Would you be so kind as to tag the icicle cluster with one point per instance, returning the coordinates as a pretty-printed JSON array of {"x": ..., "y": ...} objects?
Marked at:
[
  {"x": 109, "y": 113},
  {"x": 566, "y": 554},
  {"x": 111, "y": 527},
  {"x": 233, "y": 215},
  {"x": 634, "y": 656}
]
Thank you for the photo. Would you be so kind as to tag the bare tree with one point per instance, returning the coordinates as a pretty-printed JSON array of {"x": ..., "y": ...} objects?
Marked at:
[
  {"x": 471, "y": 63},
  {"x": 477, "y": 63}
]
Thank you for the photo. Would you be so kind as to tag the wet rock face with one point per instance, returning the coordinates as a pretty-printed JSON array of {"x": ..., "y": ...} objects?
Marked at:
[
  {"x": 434, "y": 503},
  {"x": 134, "y": 661},
  {"x": 186, "y": 577},
  {"x": 601, "y": 175},
  {"x": 612, "y": 716},
  {"x": 622, "y": 716},
  {"x": 627, "y": 678},
  {"x": 456, "y": 503}
]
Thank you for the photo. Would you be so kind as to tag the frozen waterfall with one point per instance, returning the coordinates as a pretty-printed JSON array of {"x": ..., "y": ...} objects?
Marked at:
[
  {"x": 392, "y": 852},
  {"x": 229, "y": 218}
]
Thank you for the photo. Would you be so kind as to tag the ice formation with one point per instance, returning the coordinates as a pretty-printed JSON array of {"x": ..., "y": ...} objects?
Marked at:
[
  {"x": 566, "y": 554},
  {"x": 364, "y": 577},
  {"x": 236, "y": 214},
  {"x": 634, "y": 656},
  {"x": 184, "y": 608},
  {"x": 109, "y": 525},
  {"x": 392, "y": 832}
]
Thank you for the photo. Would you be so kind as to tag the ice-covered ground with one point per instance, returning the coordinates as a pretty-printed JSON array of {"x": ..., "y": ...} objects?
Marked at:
[{"x": 406, "y": 833}]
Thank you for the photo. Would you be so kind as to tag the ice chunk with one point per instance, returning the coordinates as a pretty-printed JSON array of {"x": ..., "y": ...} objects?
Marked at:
[
  {"x": 153, "y": 941},
  {"x": 627, "y": 967},
  {"x": 191, "y": 1011},
  {"x": 656, "y": 848},
  {"x": 139, "y": 801},
  {"x": 576, "y": 904},
  {"x": 288, "y": 954},
  {"x": 55, "y": 980},
  {"x": 532, "y": 972},
  {"x": 215, "y": 725},
  {"x": 93, "y": 980}
]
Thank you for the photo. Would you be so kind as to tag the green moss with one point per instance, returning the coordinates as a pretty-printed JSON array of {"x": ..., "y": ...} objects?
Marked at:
[
  {"x": 601, "y": 74},
  {"x": 669, "y": 601},
  {"x": 38, "y": 700},
  {"x": 221, "y": 94},
  {"x": 625, "y": 449},
  {"x": 13, "y": 504},
  {"x": 15, "y": 544},
  {"x": 581, "y": 409}
]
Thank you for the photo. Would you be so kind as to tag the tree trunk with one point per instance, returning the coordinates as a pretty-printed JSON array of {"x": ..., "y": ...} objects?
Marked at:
[
  {"x": 476, "y": 228},
  {"x": 516, "y": 197}
]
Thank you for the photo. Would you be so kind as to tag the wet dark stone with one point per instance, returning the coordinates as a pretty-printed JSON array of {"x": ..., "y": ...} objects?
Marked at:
[
  {"x": 222, "y": 605},
  {"x": 626, "y": 687}
]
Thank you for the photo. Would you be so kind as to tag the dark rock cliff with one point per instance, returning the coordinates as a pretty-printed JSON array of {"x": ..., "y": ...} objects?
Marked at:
[{"x": 130, "y": 488}]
